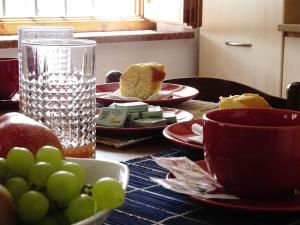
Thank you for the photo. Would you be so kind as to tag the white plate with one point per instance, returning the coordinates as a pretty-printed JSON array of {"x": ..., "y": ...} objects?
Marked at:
[{"x": 96, "y": 169}]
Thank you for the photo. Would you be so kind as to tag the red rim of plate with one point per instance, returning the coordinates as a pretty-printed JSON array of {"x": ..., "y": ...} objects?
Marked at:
[
  {"x": 278, "y": 205},
  {"x": 182, "y": 93},
  {"x": 178, "y": 133}
]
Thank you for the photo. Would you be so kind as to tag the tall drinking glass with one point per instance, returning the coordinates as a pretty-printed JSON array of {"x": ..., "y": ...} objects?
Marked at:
[
  {"x": 36, "y": 32},
  {"x": 58, "y": 80}
]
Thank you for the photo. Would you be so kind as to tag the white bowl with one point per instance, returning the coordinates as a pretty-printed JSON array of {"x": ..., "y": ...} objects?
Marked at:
[{"x": 96, "y": 169}]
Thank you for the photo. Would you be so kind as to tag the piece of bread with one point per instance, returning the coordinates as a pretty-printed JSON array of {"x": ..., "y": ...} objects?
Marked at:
[
  {"x": 142, "y": 80},
  {"x": 247, "y": 100}
]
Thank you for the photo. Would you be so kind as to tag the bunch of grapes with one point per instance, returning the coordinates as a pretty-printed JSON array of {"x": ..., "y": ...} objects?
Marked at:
[{"x": 47, "y": 189}]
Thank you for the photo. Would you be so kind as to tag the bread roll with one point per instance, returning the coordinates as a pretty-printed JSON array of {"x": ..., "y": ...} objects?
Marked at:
[
  {"x": 142, "y": 80},
  {"x": 247, "y": 100}
]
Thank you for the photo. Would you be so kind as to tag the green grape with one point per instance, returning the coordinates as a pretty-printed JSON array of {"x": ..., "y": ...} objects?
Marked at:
[
  {"x": 39, "y": 174},
  {"x": 20, "y": 160},
  {"x": 51, "y": 155},
  {"x": 32, "y": 206},
  {"x": 4, "y": 170},
  {"x": 108, "y": 193},
  {"x": 76, "y": 169},
  {"x": 17, "y": 186},
  {"x": 81, "y": 208},
  {"x": 63, "y": 186}
]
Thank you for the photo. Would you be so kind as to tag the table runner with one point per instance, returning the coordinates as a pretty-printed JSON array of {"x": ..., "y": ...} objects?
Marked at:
[{"x": 148, "y": 203}]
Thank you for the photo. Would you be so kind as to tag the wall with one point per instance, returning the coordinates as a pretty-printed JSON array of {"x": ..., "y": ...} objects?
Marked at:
[{"x": 179, "y": 56}]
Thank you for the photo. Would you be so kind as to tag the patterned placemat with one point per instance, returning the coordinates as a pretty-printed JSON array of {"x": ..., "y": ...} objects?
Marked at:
[{"x": 148, "y": 203}]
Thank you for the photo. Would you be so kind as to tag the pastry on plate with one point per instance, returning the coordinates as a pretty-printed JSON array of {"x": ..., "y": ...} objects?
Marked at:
[
  {"x": 142, "y": 80},
  {"x": 247, "y": 100}
]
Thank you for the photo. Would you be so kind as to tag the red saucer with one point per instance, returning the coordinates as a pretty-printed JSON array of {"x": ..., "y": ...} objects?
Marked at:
[
  {"x": 276, "y": 205},
  {"x": 181, "y": 93},
  {"x": 179, "y": 133}
]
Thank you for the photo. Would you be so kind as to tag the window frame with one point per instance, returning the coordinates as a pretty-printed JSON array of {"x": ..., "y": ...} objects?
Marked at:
[{"x": 192, "y": 17}]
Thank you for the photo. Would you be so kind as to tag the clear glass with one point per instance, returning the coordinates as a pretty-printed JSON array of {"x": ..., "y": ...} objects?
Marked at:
[
  {"x": 37, "y": 32},
  {"x": 58, "y": 89},
  {"x": 34, "y": 32}
]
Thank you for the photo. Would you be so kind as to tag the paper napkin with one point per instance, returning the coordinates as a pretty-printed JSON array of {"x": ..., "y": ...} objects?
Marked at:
[
  {"x": 198, "y": 137},
  {"x": 189, "y": 178}
]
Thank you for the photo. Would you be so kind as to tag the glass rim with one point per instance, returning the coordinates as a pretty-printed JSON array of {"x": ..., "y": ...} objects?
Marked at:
[{"x": 55, "y": 42}]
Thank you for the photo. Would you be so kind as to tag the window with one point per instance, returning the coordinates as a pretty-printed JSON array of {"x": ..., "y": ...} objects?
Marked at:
[
  {"x": 57, "y": 8},
  {"x": 91, "y": 15},
  {"x": 164, "y": 10}
]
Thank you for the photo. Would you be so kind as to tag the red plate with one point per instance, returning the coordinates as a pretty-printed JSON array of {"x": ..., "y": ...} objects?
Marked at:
[
  {"x": 179, "y": 132},
  {"x": 181, "y": 94},
  {"x": 274, "y": 205},
  {"x": 180, "y": 115}
]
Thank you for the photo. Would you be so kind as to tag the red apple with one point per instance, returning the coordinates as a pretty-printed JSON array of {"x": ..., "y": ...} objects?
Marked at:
[
  {"x": 7, "y": 207},
  {"x": 18, "y": 130}
]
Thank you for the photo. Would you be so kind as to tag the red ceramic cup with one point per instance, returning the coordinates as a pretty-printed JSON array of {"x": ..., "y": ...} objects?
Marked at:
[
  {"x": 254, "y": 153},
  {"x": 9, "y": 77}
]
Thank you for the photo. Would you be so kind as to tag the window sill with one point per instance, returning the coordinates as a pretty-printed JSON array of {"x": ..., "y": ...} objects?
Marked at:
[
  {"x": 290, "y": 30},
  {"x": 115, "y": 36}
]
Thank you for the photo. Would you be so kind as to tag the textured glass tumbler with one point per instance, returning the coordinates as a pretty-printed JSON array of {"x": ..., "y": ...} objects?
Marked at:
[
  {"x": 58, "y": 89},
  {"x": 37, "y": 32}
]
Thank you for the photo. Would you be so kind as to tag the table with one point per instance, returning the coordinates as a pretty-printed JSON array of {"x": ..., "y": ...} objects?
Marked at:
[
  {"x": 149, "y": 203},
  {"x": 135, "y": 151},
  {"x": 196, "y": 107}
]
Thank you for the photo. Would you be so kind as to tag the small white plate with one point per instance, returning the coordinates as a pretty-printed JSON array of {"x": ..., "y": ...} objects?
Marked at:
[{"x": 96, "y": 169}]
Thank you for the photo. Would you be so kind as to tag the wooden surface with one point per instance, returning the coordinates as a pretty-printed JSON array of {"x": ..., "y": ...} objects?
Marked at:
[
  {"x": 11, "y": 41},
  {"x": 289, "y": 28},
  {"x": 160, "y": 143},
  {"x": 192, "y": 12},
  {"x": 9, "y": 26},
  {"x": 138, "y": 150},
  {"x": 148, "y": 147},
  {"x": 141, "y": 149},
  {"x": 291, "y": 12},
  {"x": 291, "y": 65},
  {"x": 247, "y": 21}
]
